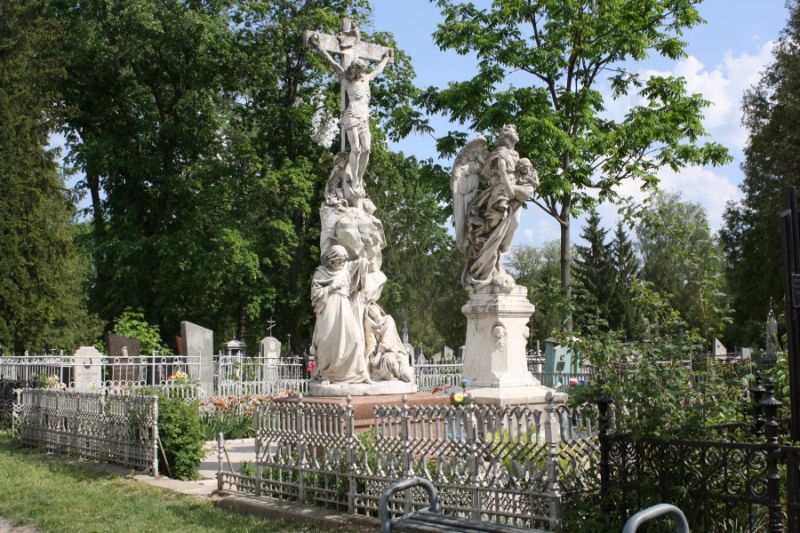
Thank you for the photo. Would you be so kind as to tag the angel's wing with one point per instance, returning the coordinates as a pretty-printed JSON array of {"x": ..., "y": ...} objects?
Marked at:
[{"x": 464, "y": 179}]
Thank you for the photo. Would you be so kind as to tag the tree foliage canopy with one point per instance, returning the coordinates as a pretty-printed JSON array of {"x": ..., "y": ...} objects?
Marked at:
[{"x": 551, "y": 67}]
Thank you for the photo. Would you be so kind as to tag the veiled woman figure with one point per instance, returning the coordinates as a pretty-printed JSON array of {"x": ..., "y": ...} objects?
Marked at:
[{"x": 338, "y": 341}]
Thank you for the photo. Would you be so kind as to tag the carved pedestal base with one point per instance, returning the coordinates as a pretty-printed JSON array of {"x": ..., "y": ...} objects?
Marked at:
[
  {"x": 497, "y": 335},
  {"x": 377, "y": 388}
]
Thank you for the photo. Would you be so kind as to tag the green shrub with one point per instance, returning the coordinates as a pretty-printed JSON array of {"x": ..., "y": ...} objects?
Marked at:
[{"x": 181, "y": 436}]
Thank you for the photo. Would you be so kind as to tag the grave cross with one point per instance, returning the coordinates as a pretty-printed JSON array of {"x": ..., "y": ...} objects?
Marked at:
[{"x": 347, "y": 44}]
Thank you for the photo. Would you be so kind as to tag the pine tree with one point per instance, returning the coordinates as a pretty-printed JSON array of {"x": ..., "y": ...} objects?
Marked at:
[
  {"x": 594, "y": 272},
  {"x": 751, "y": 236},
  {"x": 42, "y": 301},
  {"x": 626, "y": 267}
]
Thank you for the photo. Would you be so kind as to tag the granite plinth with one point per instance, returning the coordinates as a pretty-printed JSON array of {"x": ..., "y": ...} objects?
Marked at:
[{"x": 360, "y": 389}]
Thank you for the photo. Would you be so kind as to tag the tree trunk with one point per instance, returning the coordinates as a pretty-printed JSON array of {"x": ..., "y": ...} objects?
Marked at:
[{"x": 566, "y": 262}]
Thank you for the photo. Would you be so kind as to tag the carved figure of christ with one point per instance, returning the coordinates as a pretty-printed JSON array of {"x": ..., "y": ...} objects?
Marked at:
[{"x": 355, "y": 100}]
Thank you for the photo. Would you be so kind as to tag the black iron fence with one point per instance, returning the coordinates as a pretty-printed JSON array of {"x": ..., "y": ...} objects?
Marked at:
[{"x": 744, "y": 481}]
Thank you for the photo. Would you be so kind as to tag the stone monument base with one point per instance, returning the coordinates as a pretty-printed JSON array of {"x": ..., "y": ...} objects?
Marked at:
[
  {"x": 497, "y": 336},
  {"x": 363, "y": 405},
  {"x": 360, "y": 389},
  {"x": 533, "y": 396}
]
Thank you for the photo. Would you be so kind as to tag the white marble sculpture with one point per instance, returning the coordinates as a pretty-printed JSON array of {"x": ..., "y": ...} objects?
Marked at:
[
  {"x": 356, "y": 345},
  {"x": 486, "y": 220},
  {"x": 489, "y": 189}
]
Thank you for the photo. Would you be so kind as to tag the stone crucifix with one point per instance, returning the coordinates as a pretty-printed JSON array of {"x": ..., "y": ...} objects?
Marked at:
[{"x": 355, "y": 78}]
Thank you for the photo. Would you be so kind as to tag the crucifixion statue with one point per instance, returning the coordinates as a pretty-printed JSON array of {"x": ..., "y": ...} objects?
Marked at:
[{"x": 355, "y": 78}]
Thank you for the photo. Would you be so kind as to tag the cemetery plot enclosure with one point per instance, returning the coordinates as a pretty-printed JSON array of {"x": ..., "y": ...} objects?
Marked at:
[
  {"x": 504, "y": 465},
  {"x": 108, "y": 428}
]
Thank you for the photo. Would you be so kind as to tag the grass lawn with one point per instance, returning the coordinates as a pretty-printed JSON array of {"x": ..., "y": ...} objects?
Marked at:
[{"x": 54, "y": 495}]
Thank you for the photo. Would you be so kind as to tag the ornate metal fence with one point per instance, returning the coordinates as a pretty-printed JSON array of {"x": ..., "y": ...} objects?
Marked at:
[
  {"x": 99, "y": 373},
  {"x": 116, "y": 429},
  {"x": 240, "y": 375},
  {"x": 506, "y": 465},
  {"x": 432, "y": 376}
]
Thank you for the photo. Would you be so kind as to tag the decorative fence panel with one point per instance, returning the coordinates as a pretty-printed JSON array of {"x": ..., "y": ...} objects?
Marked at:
[
  {"x": 432, "y": 376},
  {"x": 240, "y": 375},
  {"x": 503, "y": 465},
  {"x": 721, "y": 486},
  {"x": 99, "y": 373},
  {"x": 118, "y": 429}
]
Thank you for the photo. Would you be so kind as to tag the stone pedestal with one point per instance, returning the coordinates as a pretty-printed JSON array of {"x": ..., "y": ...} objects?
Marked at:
[
  {"x": 342, "y": 390},
  {"x": 495, "y": 355},
  {"x": 497, "y": 335},
  {"x": 363, "y": 405}
]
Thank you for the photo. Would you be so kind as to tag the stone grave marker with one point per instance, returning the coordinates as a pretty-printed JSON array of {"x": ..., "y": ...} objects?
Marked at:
[
  {"x": 199, "y": 342},
  {"x": 88, "y": 369},
  {"x": 120, "y": 350}
]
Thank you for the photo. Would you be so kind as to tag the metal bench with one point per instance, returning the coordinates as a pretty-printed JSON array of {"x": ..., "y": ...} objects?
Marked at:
[
  {"x": 656, "y": 511},
  {"x": 431, "y": 518}
]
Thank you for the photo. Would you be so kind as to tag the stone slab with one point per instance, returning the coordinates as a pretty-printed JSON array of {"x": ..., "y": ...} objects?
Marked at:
[
  {"x": 533, "y": 396},
  {"x": 88, "y": 369},
  {"x": 361, "y": 389},
  {"x": 363, "y": 405},
  {"x": 199, "y": 341}
]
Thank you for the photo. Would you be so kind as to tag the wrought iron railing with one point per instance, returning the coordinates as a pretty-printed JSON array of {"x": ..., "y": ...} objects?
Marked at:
[
  {"x": 438, "y": 376},
  {"x": 91, "y": 425},
  {"x": 504, "y": 465}
]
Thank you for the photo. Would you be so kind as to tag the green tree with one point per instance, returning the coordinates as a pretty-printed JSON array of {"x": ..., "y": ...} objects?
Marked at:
[
  {"x": 684, "y": 262},
  {"x": 752, "y": 235},
  {"x": 131, "y": 324},
  {"x": 622, "y": 311},
  {"x": 561, "y": 53},
  {"x": 538, "y": 270},
  {"x": 594, "y": 272},
  {"x": 42, "y": 303},
  {"x": 421, "y": 263},
  {"x": 195, "y": 126}
]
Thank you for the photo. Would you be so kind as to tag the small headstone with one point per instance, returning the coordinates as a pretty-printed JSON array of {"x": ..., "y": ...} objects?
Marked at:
[
  {"x": 199, "y": 341},
  {"x": 122, "y": 349},
  {"x": 719, "y": 349},
  {"x": 747, "y": 354},
  {"x": 88, "y": 368},
  {"x": 270, "y": 349},
  {"x": 448, "y": 354}
]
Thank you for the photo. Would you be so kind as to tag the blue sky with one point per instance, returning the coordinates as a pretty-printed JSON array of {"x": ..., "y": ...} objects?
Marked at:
[{"x": 725, "y": 57}]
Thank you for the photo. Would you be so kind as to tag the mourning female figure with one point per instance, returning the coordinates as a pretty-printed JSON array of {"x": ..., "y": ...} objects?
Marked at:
[{"x": 338, "y": 341}]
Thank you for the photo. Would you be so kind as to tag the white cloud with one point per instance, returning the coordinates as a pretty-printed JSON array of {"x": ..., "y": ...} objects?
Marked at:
[{"x": 722, "y": 85}]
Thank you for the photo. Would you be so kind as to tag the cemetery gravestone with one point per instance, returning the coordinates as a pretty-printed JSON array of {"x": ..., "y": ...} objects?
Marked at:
[
  {"x": 88, "y": 369},
  {"x": 124, "y": 352},
  {"x": 199, "y": 342}
]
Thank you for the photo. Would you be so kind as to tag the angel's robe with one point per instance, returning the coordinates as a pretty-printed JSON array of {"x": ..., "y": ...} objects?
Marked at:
[
  {"x": 338, "y": 339},
  {"x": 493, "y": 219}
]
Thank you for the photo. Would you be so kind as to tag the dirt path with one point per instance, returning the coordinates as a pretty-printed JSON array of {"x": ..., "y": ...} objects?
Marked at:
[{"x": 6, "y": 527}]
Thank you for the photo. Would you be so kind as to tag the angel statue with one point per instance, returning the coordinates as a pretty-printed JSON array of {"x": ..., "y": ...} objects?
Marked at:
[{"x": 489, "y": 188}]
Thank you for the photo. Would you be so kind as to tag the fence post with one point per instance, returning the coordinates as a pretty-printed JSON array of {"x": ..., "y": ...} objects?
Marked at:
[
  {"x": 155, "y": 436},
  {"x": 220, "y": 448},
  {"x": 259, "y": 462},
  {"x": 471, "y": 436},
  {"x": 757, "y": 393},
  {"x": 301, "y": 450},
  {"x": 349, "y": 418},
  {"x": 603, "y": 405},
  {"x": 552, "y": 437},
  {"x": 16, "y": 409},
  {"x": 771, "y": 405}
]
